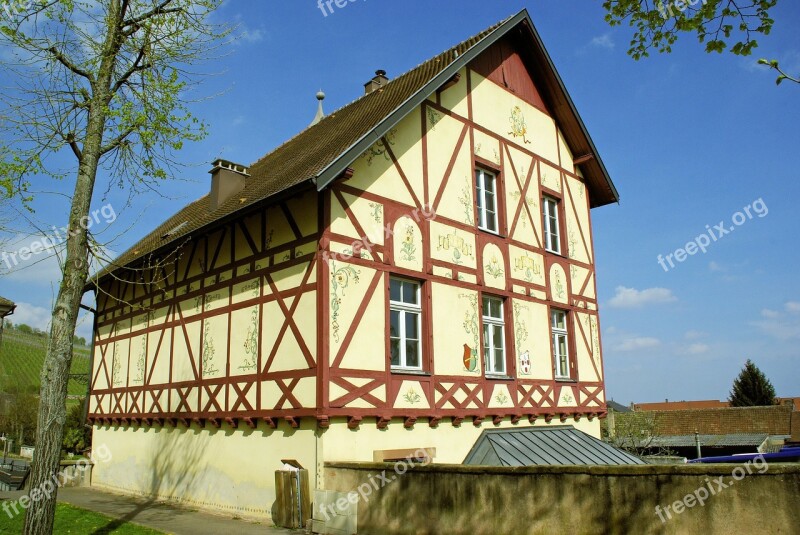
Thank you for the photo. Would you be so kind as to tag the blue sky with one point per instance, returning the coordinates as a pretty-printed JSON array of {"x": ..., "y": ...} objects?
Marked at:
[{"x": 689, "y": 138}]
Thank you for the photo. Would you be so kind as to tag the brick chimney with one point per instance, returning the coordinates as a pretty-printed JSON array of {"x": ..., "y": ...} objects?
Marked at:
[
  {"x": 378, "y": 82},
  {"x": 227, "y": 179}
]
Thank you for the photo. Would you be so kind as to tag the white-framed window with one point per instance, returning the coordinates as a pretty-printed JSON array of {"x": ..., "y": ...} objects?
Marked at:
[
  {"x": 558, "y": 326},
  {"x": 405, "y": 324},
  {"x": 494, "y": 340},
  {"x": 486, "y": 195},
  {"x": 552, "y": 232}
]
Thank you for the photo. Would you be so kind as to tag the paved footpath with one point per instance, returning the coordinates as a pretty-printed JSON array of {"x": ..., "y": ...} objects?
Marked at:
[{"x": 158, "y": 515}]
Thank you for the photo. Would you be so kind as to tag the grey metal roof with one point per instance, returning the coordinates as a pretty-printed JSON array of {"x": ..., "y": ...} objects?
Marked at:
[
  {"x": 618, "y": 407},
  {"x": 563, "y": 445},
  {"x": 734, "y": 439}
]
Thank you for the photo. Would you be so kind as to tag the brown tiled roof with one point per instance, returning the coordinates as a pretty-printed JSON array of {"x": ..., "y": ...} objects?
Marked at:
[
  {"x": 681, "y": 405},
  {"x": 773, "y": 420},
  {"x": 310, "y": 155}
]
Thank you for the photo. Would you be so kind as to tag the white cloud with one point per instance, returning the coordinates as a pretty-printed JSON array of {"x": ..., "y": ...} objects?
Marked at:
[
  {"x": 603, "y": 41},
  {"x": 781, "y": 325},
  {"x": 251, "y": 36},
  {"x": 637, "y": 343},
  {"x": 697, "y": 349},
  {"x": 694, "y": 335},
  {"x": 32, "y": 316},
  {"x": 714, "y": 266},
  {"x": 633, "y": 298},
  {"x": 792, "y": 307}
]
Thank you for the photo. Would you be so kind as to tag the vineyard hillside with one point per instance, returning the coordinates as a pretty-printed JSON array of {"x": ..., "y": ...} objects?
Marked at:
[{"x": 21, "y": 359}]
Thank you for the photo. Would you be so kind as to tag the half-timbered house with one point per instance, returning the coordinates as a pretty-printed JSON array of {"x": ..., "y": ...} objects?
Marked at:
[{"x": 408, "y": 271}]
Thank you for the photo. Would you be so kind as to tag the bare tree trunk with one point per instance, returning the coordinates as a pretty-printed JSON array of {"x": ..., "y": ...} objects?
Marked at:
[
  {"x": 55, "y": 371},
  {"x": 40, "y": 516}
]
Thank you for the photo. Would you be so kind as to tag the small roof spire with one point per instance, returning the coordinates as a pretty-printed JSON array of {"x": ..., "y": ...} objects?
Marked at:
[{"x": 320, "y": 113}]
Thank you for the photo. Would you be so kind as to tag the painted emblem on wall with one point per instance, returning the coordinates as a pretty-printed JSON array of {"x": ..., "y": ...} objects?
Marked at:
[
  {"x": 340, "y": 280},
  {"x": 528, "y": 266},
  {"x": 455, "y": 243},
  {"x": 525, "y": 363},
  {"x": 380, "y": 148},
  {"x": 519, "y": 127},
  {"x": 567, "y": 399},
  {"x": 471, "y": 327}
]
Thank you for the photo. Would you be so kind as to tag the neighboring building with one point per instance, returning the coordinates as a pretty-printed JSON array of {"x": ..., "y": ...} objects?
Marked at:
[
  {"x": 720, "y": 431},
  {"x": 407, "y": 272},
  {"x": 6, "y": 309},
  {"x": 668, "y": 405}
]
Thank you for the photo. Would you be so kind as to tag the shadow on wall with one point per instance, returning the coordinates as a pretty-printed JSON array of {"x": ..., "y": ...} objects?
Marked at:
[{"x": 171, "y": 470}]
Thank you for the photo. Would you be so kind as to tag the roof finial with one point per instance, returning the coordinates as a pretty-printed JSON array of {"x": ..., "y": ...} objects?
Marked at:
[{"x": 320, "y": 113}]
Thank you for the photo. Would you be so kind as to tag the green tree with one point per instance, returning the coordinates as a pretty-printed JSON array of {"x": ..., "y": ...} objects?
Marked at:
[
  {"x": 23, "y": 328},
  {"x": 106, "y": 82},
  {"x": 77, "y": 435},
  {"x": 19, "y": 419},
  {"x": 751, "y": 388},
  {"x": 720, "y": 24}
]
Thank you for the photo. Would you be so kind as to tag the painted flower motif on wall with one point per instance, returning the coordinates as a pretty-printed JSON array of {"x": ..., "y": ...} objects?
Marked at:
[
  {"x": 209, "y": 368},
  {"x": 407, "y": 249},
  {"x": 340, "y": 280},
  {"x": 520, "y": 335},
  {"x": 140, "y": 361},
  {"x": 251, "y": 343},
  {"x": 376, "y": 211},
  {"x": 433, "y": 117},
  {"x": 501, "y": 398},
  {"x": 560, "y": 293},
  {"x": 116, "y": 375},
  {"x": 493, "y": 268},
  {"x": 567, "y": 399},
  {"x": 380, "y": 148},
  {"x": 471, "y": 327},
  {"x": 412, "y": 397},
  {"x": 465, "y": 199},
  {"x": 519, "y": 127}
]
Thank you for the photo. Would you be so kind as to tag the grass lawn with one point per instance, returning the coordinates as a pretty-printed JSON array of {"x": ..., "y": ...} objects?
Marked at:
[{"x": 76, "y": 521}]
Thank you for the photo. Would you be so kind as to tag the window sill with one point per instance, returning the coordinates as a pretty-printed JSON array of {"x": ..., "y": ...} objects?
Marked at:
[
  {"x": 498, "y": 377},
  {"x": 566, "y": 380},
  {"x": 406, "y": 371},
  {"x": 495, "y": 233}
]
